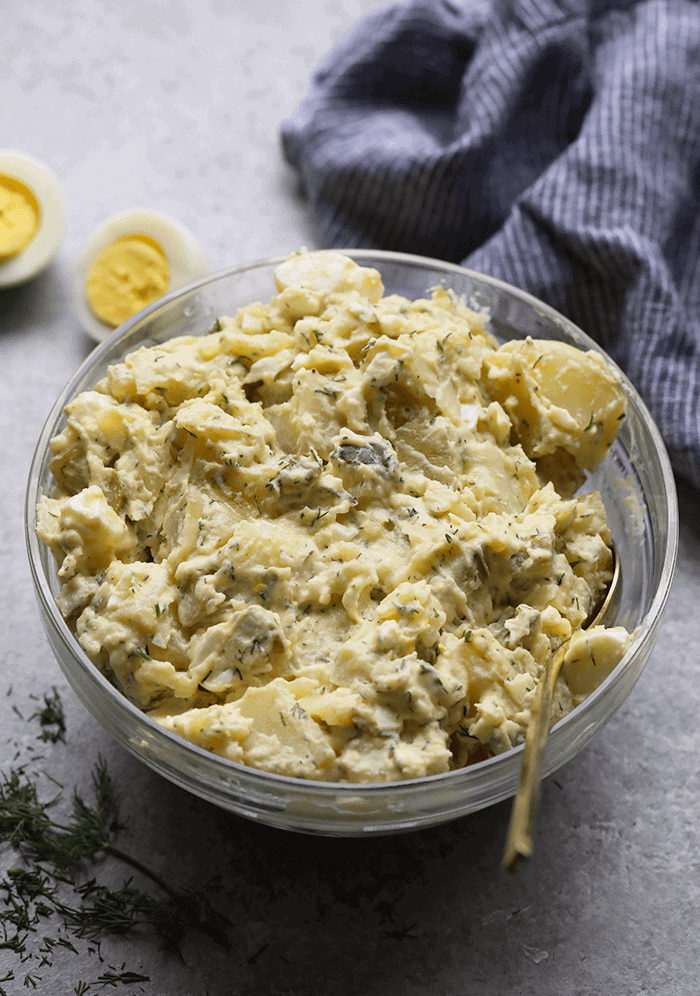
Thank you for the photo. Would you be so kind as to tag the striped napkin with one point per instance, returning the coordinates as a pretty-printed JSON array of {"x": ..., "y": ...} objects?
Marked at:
[{"x": 552, "y": 143}]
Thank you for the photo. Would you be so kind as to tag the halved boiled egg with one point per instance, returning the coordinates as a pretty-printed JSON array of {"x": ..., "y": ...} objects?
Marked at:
[
  {"x": 133, "y": 259},
  {"x": 32, "y": 217}
]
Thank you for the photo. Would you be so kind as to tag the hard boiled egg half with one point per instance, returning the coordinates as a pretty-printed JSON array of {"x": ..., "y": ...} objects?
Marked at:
[
  {"x": 133, "y": 259},
  {"x": 32, "y": 217}
]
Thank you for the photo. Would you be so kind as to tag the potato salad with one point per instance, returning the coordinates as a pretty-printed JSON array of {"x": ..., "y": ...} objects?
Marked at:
[{"x": 339, "y": 535}]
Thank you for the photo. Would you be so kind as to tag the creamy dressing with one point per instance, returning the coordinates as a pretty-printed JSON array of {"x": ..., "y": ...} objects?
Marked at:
[{"x": 338, "y": 536}]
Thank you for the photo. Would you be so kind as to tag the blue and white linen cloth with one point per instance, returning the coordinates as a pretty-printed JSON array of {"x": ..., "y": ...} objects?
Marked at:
[{"x": 552, "y": 143}]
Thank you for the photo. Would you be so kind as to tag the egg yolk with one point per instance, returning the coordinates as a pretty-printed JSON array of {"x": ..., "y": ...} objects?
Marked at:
[
  {"x": 19, "y": 216},
  {"x": 130, "y": 273}
]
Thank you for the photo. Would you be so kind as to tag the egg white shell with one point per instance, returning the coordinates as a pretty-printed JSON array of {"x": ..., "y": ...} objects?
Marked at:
[
  {"x": 186, "y": 258},
  {"x": 52, "y": 217}
]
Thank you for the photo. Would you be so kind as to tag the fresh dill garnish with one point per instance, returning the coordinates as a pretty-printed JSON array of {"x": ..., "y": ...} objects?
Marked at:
[
  {"x": 51, "y": 718},
  {"x": 57, "y": 850},
  {"x": 49, "y": 896}
]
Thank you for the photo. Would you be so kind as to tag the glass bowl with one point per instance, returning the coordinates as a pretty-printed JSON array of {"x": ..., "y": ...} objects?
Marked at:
[{"x": 637, "y": 486}]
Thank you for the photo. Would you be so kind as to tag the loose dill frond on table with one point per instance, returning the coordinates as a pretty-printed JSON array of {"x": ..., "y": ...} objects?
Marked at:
[
  {"x": 50, "y": 888},
  {"x": 51, "y": 718}
]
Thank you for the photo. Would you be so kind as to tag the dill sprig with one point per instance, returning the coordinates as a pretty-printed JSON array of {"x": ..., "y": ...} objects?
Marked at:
[
  {"x": 55, "y": 854},
  {"x": 51, "y": 718}
]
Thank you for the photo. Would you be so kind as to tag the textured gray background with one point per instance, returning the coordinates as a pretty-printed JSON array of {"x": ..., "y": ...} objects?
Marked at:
[{"x": 177, "y": 106}]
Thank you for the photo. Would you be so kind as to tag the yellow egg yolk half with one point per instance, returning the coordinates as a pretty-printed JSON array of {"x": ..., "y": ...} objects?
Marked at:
[
  {"x": 19, "y": 216},
  {"x": 126, "y": 276}
]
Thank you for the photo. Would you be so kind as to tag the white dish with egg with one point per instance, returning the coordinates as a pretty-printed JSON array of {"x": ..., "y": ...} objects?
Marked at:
[
  {"x": 32, "y": 217},
  {"x": 134, "y": 258}
]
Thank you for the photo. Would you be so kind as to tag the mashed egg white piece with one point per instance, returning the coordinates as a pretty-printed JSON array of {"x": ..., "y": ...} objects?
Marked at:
[
  {"x": 339, "y": 536},
  {"x": 32, "y": 217},
  {"x": 132, "y": 259}
]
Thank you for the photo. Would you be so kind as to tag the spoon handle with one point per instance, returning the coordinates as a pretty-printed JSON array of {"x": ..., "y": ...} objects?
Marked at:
[
  {"x": 522, "y": 818},
  {"x": 519, "y": 839}
]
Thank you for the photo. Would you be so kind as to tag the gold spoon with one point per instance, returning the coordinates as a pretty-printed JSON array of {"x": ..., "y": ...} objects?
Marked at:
[{"x": 519, "y": 844}]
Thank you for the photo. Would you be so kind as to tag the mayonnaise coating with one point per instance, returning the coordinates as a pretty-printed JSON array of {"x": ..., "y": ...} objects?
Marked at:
[{"x": 338, "y": 536}]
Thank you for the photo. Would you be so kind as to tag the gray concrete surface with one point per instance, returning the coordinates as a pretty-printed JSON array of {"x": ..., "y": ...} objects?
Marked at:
[{"x": 178, "y": 106}]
